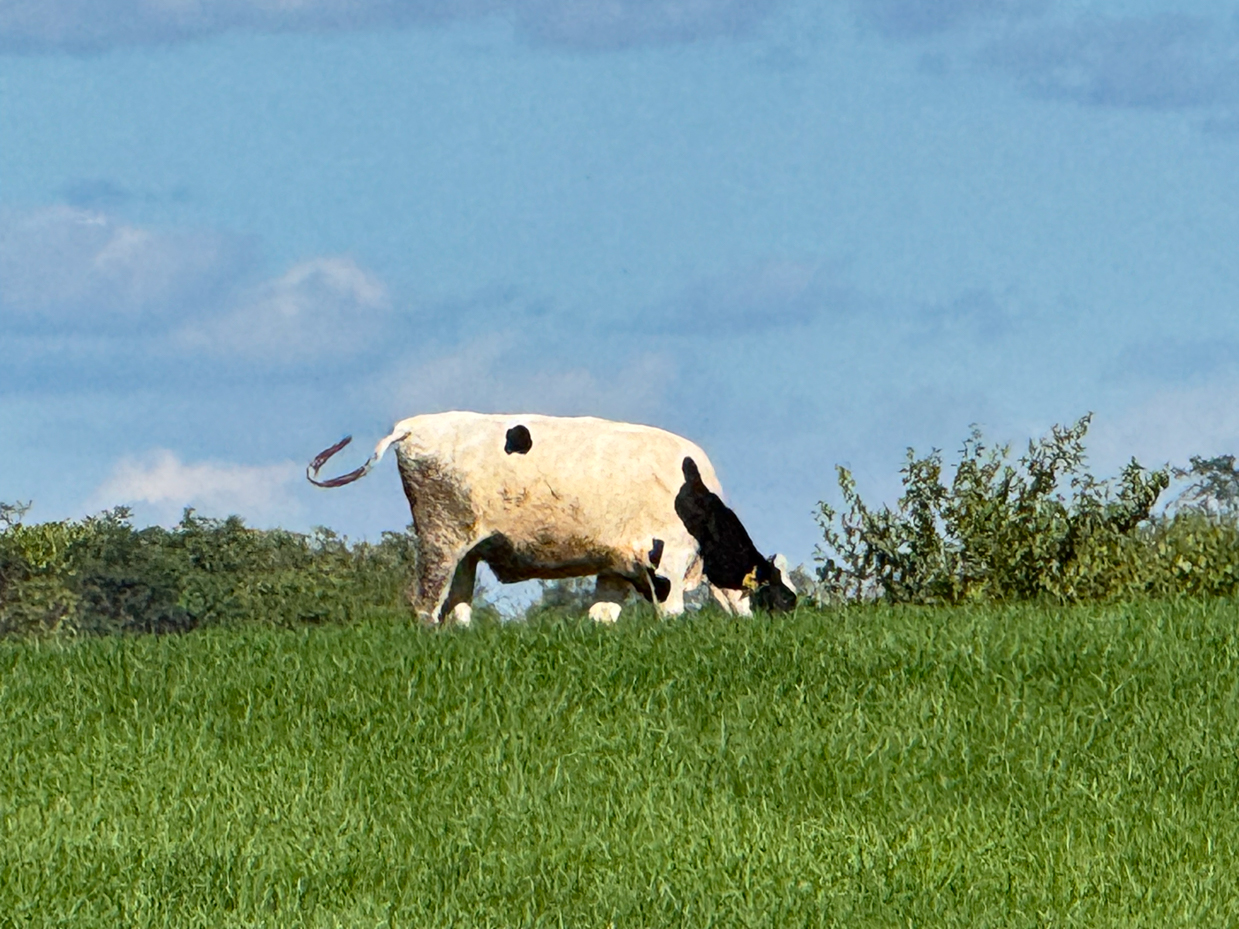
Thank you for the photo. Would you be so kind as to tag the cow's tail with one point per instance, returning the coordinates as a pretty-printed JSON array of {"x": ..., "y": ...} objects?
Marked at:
[{"x": 312, "y": 469}]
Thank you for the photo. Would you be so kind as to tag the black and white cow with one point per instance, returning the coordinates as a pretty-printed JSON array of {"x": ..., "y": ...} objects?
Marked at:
[{"x": 554, "y": 497}]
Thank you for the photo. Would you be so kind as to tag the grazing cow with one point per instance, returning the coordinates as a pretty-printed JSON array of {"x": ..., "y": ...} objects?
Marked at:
[{"x": 553, "y": 497}]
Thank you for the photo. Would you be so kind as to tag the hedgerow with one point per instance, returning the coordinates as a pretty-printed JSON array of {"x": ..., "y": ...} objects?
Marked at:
[
  {"x": 102, "y": 575},
  {"x": 1042, "y": 526}
]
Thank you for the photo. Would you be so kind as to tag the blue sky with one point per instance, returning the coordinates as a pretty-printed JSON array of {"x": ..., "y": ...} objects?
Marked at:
[{"x": 801, "y": 234}]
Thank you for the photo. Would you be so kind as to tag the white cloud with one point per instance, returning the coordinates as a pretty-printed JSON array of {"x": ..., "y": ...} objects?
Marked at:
[
  {"x": 322, "y": 308},
  {"x": 161, "y": 485},
  {"x": 60, "y": 265},
  {"x": 87, "y": 277}
]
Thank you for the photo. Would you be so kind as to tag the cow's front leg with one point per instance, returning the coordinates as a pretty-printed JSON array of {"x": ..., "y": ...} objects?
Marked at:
[
  {"x": 680, "y": 567},
  {"x": 735, "y": 602}
]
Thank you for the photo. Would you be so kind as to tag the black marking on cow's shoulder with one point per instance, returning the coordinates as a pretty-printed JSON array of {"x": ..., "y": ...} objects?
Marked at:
[
  {"x": 518, "y": 440},
  {"x": 662, "y": 587},
  {"x": 730, "y": 558},
  {"x": 656, "y": 584},
  {"x": 656, "y": 552}
]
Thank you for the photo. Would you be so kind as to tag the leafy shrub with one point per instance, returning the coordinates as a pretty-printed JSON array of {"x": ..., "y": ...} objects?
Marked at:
[
  {"x": 1215, "y": 488},
  {"x": 1041, "y": 527},
  {"x": 100, "y": 574}
]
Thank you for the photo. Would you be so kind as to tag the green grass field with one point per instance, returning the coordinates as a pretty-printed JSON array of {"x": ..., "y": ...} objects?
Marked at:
[{"x": 1020, "y": 766}]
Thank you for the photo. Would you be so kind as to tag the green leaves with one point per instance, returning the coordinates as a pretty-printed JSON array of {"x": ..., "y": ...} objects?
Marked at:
[
  {"x": 101, "y": 575},
  {"x": 1041, "y": 526}
]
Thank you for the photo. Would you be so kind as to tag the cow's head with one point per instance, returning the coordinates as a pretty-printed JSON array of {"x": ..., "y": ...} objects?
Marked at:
[{"x": 774, "y": 591}]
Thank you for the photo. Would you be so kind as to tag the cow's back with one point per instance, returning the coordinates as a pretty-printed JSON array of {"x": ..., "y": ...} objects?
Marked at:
[{"x": 559, "y": 480}]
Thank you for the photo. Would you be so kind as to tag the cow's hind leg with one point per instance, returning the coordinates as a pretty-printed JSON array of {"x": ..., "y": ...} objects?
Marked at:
[
  {"x": 436, "y": 572},
  {"x": 610, "y": 591},
  {"x": 443, "y": 520},
  {"x": 458, "y": 607}
]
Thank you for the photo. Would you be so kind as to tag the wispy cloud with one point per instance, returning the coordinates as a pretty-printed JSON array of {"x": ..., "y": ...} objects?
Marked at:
[
  {"x": 1170, "y": 61},
  {"x": 83, "y": 26},
  {"x": 82, "y": 288},
  {"x": 615, "y": 24},
  {"x": 975, "y": 313},
  {"x": 96, "y": 193},
  {"x": 95, "y": 25},
  {"x": 905, "y": 19},
  {"x": 506, "y": 371},
  {"x": 779, "y": 296},
  {"x": 63, "y": 266},
  {"x": 1160, "y": 61},
  {"x": 318, "y": 309},
  {"x": 104, "y": 194},
  {"x": 774, "y": 294},
  {"x": 1172, "y": 425},
  {"x": 162, "y": 485},
  {"x": 1175, "y": 361}
]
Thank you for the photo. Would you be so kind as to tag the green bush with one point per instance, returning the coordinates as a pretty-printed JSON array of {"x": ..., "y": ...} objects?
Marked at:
[
  {"x": 100, "y": 574},
  {"x": 1042, "y": 527}
]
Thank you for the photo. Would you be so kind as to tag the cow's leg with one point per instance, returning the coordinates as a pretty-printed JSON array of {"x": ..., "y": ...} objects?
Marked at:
[
  {"x": 733, "y": 601},
  {"x": 459, "y": 603},
  {"x": 444, "y": 522},
  {"x": 436, "y": 570},
  {"x": 676, "y": 567},
  {"x": 612, "y": 588},
  {"x": 610, "y": 591}
]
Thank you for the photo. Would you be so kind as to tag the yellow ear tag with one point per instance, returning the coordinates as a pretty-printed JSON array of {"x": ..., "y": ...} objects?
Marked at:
[{"x": 750, "y": 581}]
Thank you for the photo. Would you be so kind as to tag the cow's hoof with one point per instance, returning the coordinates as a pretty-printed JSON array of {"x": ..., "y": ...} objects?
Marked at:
[
  {"x": 462, "y": 614},
  {"x": 604, "y": 612}
]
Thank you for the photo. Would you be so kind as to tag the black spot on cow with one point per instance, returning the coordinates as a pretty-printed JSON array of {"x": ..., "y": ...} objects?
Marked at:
[
  {"x": 656, "y": 552},
  {"x": 518, "y": 440},
  {"x": 730, "y": 558},
  {"x": 662, "y": 586}
]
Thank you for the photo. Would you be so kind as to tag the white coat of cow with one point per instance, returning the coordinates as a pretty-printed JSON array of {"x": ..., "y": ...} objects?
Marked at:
[{"x": 542, "y": 497}]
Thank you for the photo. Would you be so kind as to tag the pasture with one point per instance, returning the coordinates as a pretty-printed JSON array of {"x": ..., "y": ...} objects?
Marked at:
[{"x": 870, "y": 766}]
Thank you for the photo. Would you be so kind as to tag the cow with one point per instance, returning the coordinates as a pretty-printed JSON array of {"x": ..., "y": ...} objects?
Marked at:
[{"x": 554, "y": 497}]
